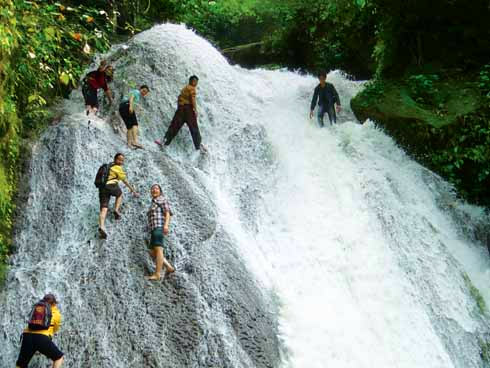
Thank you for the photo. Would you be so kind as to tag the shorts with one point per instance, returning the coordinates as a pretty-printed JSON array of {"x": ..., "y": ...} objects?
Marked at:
[
  {"x": 31, "y": 343},
  {"x": 106, "y": 193},
  {"x": 157, "y": 238},
  {"x": 90, "y": 96},
  {"x": 128, "y": 118}
]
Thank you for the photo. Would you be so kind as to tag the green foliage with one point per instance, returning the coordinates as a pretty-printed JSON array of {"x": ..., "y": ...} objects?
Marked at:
[
  {"x": 226, "y": 23},
  {"x": 9, "y": 124},
  {"x": 423, "y": 88},
  {"x": 326, "y": 34},
  {"x": 464, "y": 156},
  {"x": 43, "y": 48},
  {"x": 475, "y": 293},
  {"x": 484, "y": 350},
  {"x": 415, "y": 33},
  {"x": 484, "y": 81},
  {"x": 54, "y": 43}
]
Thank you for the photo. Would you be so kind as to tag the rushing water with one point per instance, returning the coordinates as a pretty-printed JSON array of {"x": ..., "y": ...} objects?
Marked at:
[{"x": 295, "y": 246}]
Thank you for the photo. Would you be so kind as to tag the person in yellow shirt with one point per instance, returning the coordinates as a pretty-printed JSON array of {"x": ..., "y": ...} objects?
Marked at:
[
  {"x": 41, "y": 340},
  {"x": 111, "y": 188},
  {"x": 186, "y": 114}
]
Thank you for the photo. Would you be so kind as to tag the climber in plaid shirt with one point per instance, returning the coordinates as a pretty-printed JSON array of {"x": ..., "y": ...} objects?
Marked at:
[{"x": 158, "y": 222}]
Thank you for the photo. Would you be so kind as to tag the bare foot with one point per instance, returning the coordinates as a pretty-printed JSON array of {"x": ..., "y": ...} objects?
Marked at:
[
  {"x": 170, "y": 270},
  {"x": 153, "y": 277}
]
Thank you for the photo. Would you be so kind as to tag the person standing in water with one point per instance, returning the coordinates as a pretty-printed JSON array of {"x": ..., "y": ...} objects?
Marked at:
[
  {"x": 328, "y": 100},
  {"x": 158, "y": 223}
]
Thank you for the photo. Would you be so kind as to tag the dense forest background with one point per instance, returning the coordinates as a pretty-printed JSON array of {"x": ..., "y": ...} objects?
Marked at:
[{"x": 428, "y": 65}]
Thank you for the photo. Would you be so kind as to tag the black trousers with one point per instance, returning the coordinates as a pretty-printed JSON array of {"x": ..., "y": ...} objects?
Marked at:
[
  {"x": 128, "y": 118},
  {"x": 90, "y": 95},
  {"x": 184, "y": 115},
  {"x": 31, "y": 343}
]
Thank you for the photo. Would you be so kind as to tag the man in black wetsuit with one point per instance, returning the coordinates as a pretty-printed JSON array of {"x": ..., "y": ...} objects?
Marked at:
[{"x": 328, "y": 100}]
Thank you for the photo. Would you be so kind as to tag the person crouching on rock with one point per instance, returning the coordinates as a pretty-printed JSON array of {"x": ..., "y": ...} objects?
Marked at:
[
  {"x": 126, "y": 109},
  {"x": 92, "y": 82},
  {"x": 158, "y": 223}
]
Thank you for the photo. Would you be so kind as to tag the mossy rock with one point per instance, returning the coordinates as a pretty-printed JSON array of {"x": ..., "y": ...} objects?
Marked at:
[{"x": 393, "y": 105}]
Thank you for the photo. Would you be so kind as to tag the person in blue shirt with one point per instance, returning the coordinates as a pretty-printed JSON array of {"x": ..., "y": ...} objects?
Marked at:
[
  {"x": 328, "y": 100},
  {"x": 126, "y": 109}
]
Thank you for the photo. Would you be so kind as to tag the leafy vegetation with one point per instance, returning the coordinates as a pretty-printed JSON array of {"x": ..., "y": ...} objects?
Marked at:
[
  {"x": 485, "y": 350},
  {"x": 475, "y": 293},
  {"x": 43, "y": 48}
]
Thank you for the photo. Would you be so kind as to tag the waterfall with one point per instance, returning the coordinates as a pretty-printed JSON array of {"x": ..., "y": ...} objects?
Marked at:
[{"x": 294, "y": 246}]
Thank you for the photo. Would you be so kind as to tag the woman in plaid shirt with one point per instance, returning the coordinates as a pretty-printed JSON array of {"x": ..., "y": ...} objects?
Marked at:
[{"x": 158, "y": 221}]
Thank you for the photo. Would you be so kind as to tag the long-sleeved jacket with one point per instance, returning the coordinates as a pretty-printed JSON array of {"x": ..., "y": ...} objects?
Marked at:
[
  {"x": 53, "y": 328},
  {"x": 325, "y": 96}
]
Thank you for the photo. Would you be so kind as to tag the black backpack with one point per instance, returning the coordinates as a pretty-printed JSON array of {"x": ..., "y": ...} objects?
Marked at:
[
  {"x": 40, "y": 317},
  {"x": 102, "y": 175}
]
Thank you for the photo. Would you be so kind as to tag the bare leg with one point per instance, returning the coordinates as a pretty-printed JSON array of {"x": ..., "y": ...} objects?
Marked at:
[
  {"x": 135, "y": 137},
  {"x": 129, "y": 136},
  {"x": 58, "y": 363},
  {"x": 169, "y": 268},
  {"x": 160, "y": 262},
  {"x": 118, "y": 203},
  {"x": 102, "y": 216}
]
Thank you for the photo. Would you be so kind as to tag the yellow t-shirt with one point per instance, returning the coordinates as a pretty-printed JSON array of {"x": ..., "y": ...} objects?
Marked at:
[
  {"x": 187, "y": 94},
  {"x": 116, "y": 174},
  {"x": 55, "y": 324}
]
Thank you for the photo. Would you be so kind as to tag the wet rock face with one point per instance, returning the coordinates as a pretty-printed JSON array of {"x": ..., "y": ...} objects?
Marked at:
[{"x": 210, "y": 313}]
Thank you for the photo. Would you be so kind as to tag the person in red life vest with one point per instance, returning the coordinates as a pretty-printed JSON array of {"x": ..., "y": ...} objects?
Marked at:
[
  {"x": 92, "y": 82},
  {"x": 44, "y": 322}
]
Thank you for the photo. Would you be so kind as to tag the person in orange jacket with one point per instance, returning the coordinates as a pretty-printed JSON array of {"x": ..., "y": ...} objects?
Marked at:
[{"x": 38, "y": 337}]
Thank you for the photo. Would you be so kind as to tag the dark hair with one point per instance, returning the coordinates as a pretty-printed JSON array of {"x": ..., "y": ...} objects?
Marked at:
[
  {"x": 117, "y": 155},
  {"x": 159, "y": 187},
  {"x": 50, "y": 298},
  {"x": 322, "y": 73},
  {"x": 193, "y": 77},
  {"x": 145, "y": 86},
  {"x": 103, "y": 64},
  {"x": 109, "y": 73}
]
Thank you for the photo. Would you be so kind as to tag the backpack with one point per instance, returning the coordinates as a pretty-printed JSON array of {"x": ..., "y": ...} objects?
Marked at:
[
  {"x": 102, "y": 175},
  {"x": 40, "y": 317}
]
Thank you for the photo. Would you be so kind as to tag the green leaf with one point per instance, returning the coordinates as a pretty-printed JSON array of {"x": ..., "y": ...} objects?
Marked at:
[
  {"x": 64, "y": 78},
  {"x": 50, "y": 33}
]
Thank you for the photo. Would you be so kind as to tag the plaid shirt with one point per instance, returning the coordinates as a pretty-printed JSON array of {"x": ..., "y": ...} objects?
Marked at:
[{"x": 156, "y": 214}]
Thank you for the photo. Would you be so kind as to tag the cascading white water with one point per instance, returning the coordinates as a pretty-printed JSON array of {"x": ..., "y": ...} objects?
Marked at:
[{"x": 357, "y": 241}]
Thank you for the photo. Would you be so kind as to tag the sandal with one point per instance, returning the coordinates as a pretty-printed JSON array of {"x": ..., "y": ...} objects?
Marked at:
[{"x": 117, "y": 215}]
